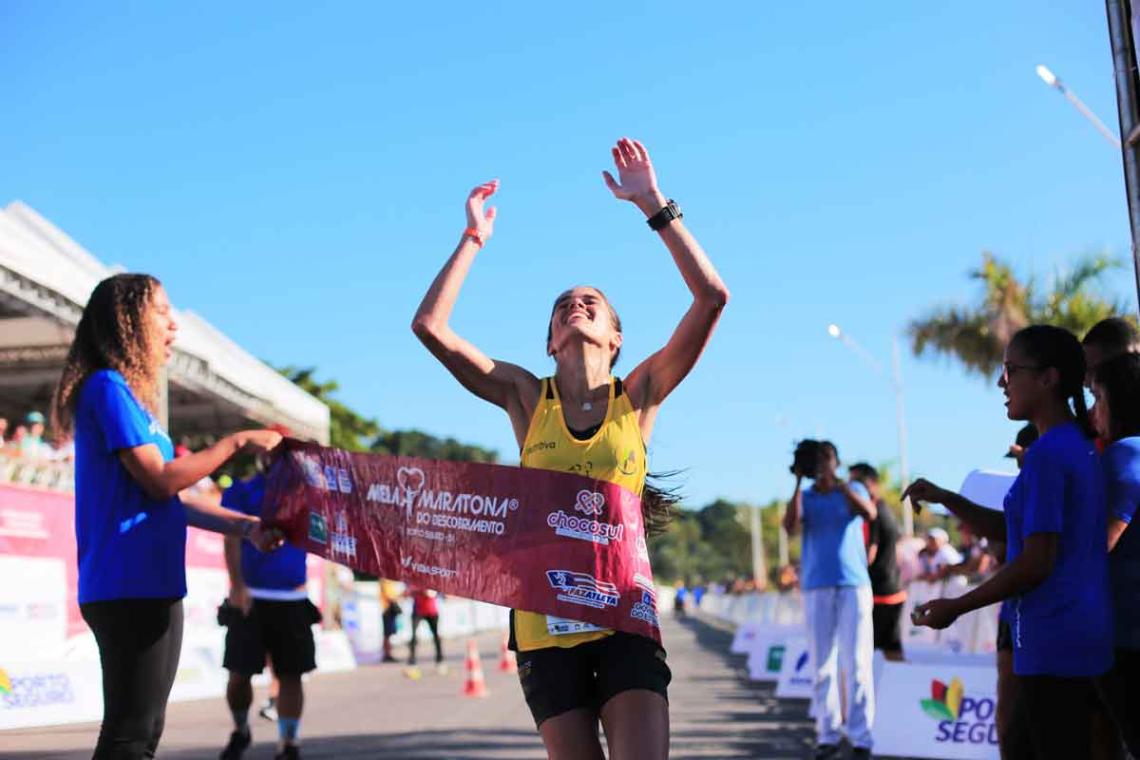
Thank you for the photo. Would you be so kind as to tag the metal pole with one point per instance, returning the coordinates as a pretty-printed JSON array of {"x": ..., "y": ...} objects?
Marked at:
[
  {"x": 1123, "y": 67},
  {"x": 1088, "y": 114},
  {"x": 900, "y": 420},
  {"x": 759, "y": 570},
  {"x": 782, "y": 545}
]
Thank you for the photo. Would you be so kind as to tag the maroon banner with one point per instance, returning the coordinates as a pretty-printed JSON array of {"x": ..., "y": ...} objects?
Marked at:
[{"x": 536, "y": 540}]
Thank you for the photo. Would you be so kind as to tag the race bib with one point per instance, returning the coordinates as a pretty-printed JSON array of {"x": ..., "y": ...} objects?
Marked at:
[{"x": 558, "y": 626}]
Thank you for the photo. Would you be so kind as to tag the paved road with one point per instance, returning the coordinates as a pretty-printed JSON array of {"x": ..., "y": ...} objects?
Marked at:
[{"x": 376, "y": 712}]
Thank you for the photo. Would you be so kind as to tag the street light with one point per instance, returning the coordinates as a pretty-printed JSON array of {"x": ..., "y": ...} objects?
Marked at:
[
  {"x": 900, "y": 411},
  {"x": 1049, "y": 78}
]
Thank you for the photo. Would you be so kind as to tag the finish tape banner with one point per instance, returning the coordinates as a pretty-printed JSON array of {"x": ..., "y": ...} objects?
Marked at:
[{"x": 550, "y": 542}]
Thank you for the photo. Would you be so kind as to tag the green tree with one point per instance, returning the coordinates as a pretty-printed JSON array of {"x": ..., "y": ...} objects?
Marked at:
[
  {"x": 704, "y": 545},
  {"x": 415, "y": 443},
  {"x": 976, "y": 335},
  {"x": 348, "y": 429},
  {"x": 352, "y": 431}
]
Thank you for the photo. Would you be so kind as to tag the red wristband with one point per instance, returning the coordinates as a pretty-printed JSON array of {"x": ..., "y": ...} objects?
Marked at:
[{"x": 473, "y": 233}]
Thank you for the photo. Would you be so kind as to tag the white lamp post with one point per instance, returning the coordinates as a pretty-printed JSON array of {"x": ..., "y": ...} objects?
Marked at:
[
  {"x": 900, "y": 410},
  {"x": 1051, "y": 79}
]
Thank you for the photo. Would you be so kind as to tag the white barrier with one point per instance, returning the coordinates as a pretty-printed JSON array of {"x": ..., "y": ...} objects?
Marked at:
[
  {"x": 972, "y": 633},
  {"x": 937, "y": 710},
  {"x": 940, "y": 702},
  {"x": 797, "y": 672},
  {"x": 768, "y": 647},
  {"x": 45, "y": 693},
  {"x": 360, "y": 614}
]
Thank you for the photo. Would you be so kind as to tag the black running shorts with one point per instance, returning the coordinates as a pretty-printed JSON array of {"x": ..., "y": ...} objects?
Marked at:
[
  {"x": 281, "y": 629},
  {"x": 557, "y": 680},
  {"x": 885, "y": 619}
]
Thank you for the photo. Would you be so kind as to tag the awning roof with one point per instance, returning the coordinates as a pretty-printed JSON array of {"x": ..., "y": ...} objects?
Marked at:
[{"x": 215, "y": 385}]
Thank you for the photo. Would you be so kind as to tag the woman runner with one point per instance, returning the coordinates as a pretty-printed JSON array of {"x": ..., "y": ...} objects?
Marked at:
[{"x": 574, "y": 674}]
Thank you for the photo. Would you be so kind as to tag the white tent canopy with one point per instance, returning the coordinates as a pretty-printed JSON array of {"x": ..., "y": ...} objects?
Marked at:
[{"x": 214, "y": 384}]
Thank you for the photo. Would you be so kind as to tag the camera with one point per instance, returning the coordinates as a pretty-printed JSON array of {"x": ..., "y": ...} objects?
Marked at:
[{"x": 806, "y": 459}]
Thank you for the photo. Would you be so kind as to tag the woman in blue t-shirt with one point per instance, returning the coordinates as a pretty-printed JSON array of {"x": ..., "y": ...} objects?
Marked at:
[
  {"x": 1116, "y": 415},
  {"x": 130, "y": 526},
  {"x": 1056, "y": 572}
]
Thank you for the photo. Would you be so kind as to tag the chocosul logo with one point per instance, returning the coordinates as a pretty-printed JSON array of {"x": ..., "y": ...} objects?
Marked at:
[
  {"x": 591, "y": 503},
  {"x": 962, "y": 719}
]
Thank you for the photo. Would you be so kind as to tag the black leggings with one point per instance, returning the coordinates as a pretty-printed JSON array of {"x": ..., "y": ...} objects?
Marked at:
[
  {"x": 1052, "y": 719},
  {"x": 1120, "y": 689},
  {"x": 139, "y": 643},
  {"x": 433, "y": 624}
]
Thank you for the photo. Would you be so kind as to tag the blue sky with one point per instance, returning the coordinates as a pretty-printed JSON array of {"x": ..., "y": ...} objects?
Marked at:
[{"x": 297, "y": 176}]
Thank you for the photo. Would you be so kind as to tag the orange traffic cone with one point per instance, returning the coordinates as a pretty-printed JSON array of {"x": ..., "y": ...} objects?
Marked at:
[
  {"x": 474, "y": 685},
  {"x": 507, "y": 661}
]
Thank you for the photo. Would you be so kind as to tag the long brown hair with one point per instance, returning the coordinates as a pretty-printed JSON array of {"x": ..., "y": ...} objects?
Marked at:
[
  {"x": 659, "y": 499},
  {"x": 113, "y": 333}
]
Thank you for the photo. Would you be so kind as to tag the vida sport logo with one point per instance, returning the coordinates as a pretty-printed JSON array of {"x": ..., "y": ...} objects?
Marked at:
[{"x": 961, "y": 719}]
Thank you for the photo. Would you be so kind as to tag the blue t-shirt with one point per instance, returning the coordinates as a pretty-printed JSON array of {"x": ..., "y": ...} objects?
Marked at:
[
  {"x": 1063, "y": 627},
  {"x": 282, "y": 569},
  {"x": 833, "y": 550},
  {"x": 1122, "y": 477},
  {"x": 130, "y": 545}
]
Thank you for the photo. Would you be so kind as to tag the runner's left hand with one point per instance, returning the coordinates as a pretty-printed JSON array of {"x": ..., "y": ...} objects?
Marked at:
[
  {"x": 937, "y": 614},
  {"x": 638, "y": 181}
]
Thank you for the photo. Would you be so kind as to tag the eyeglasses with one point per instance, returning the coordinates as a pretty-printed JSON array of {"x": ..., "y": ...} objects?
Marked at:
[{"x": 1009, "y": 369}]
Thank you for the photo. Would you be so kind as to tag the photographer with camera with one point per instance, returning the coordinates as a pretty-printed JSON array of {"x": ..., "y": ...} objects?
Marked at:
[{"x": 836, "y": 592}]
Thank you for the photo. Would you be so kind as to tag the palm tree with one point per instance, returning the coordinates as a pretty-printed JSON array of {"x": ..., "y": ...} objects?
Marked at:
[{"x": 977, "y": 335}]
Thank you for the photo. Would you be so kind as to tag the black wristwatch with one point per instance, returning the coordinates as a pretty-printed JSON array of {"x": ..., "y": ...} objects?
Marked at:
[{"x": 664, "y": 216}]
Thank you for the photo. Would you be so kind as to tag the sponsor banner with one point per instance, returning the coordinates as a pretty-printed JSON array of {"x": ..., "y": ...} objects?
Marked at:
[
  {"x": 797, "y": 672},
  {"x": 45, "y": 693},
  {"x": 39, "y": 617},
  {"x": 35, "y": 522},
  {"x": 937, "y": 711},
  {"x": 550, "y": 542}
]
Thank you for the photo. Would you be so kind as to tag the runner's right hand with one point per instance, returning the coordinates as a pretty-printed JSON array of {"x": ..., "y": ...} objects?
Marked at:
[{"x": 480, "y": 219}]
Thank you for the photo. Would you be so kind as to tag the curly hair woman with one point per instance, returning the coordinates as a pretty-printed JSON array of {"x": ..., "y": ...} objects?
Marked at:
[{"x": 130, "y": 525}]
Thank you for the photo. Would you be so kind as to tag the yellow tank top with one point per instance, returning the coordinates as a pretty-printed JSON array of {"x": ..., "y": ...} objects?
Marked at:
[{"x": 616, "y": 453}]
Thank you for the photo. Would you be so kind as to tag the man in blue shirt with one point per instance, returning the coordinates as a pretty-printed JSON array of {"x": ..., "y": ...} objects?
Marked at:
[
  {"x": 836, "y": 593},
  {"x": 268, "y": 613}
]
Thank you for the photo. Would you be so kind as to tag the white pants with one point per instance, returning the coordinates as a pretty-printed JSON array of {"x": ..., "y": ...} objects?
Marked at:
[{"x": 839, "y": 627}]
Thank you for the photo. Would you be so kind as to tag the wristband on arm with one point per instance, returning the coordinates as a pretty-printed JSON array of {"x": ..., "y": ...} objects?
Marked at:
[{"x": 662, "y": 218}]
